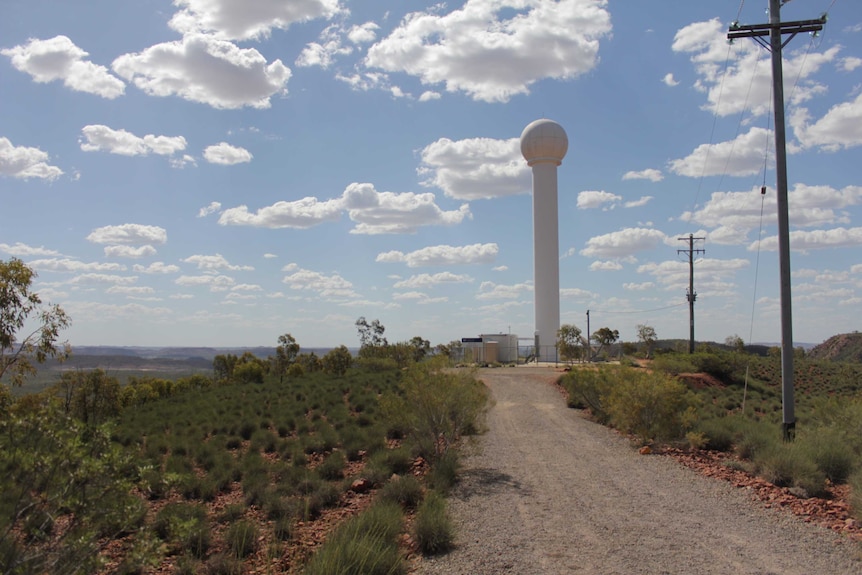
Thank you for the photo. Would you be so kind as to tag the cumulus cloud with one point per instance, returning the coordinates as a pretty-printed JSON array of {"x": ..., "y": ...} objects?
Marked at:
[
  {"x": 742, "y": 156},
  {"x": 670, "y": 80},
  {"x": 605, "y": 266},
  {"x": 746, "y": 82},
  {"x": 475, "y": 168},
  {"x": 326, "y": 286},
  {"x": 212, "y": 208},
  {"x": 650, "y": 174},
  {"x": 250, "y": 19},
  {"x": 363, "y": 33},
  {"x": 24, "y": 163},
  {"x": 226, "y": 155},
  {"x": 58, "y": 58},
  {"x": 373, "y": 212},
  {"x": 103, "y": 138},
  {"x": 215, "y": 283},
  {"x": 805, "y": 240},
  {"x": 712, "y": 273},
  {"x": 495, "y": 50},
  {"x": 849, "y": 63},
  {"x": 840, "y": 127},
  {"x": 491, "y": 290},
  {"x": 644, "y": 200},
  {"x": 128, "y": 234},
  {"x": 596, "y": 199},
  {"x": 19, "y": 249},
  {"x": 443, "y": 255},
  {"x": 214, "y": 263},
  {"x": 156, "y": 268},
  {"x": 430, "y": 280},
  {"x": 429, "y": 95},
  {"x": 129, "y": 251},
  {"x": 324, "y": 52},
  {"x": 70, "y": 265},
  {"x": 204, "y": 69},
  {"x": 733, "y": 215},
  {"x": 623, "y": 243}
]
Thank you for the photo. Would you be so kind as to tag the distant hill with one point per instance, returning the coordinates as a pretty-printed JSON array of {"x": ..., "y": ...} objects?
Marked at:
[{"x": 842, "y": 347}]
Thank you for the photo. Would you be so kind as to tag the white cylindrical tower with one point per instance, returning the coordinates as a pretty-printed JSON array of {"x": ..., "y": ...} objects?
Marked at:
[{"x": 544, "y": 145}]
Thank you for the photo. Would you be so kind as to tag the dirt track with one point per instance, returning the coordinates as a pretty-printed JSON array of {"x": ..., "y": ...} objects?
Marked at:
[{"x": 548, "y": 492}]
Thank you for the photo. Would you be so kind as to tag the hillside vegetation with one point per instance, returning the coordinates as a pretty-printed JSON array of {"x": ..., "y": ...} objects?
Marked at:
[{"x": 842, "y": 347}]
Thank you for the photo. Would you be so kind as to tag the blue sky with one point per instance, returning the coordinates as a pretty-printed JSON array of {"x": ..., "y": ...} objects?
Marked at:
[{"x": 220, "y": 172}]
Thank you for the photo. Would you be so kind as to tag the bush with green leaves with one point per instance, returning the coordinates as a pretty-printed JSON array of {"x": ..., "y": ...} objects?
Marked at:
[
  {"x": 435, "y": 406},
  {"x": 241, "y": 538},
  {"x": 366, "y": 544},
  {"x": 185, "y": 526},
  {"x": 433, "y": 530},
  {"x": 406, "y": 491}
]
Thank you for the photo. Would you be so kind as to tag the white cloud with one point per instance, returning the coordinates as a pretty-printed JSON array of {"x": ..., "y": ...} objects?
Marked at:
[
  {"x": 216, "y": 283},
  {"x": 182, "y": 161},
  {"x": 204, "y": 69},
  {"x": 495, "y": 50},
  {"x": 326, "y": 286},
  {"x": 605, "y": 266},
  {"x": 475, "y": 168},
  {"x": 129, "y": 290},
  {"x": 746, "y": 82},
  {"x": 500, "y": 268},
  {"x": 363, "y": 33},
  {"x": 429, "y": 95},
  {"x": 212, "y": 208},
  {"x": 643, "y": 286},
  {"x": 98, "y": 279},
  {"x": 669, "y": 80},
  {"x": 249, "y": 19},
  {"x": 576, "y": 294},
  {"x": 840, "y": 127},
  {"x": 156, "y": 268},
  {"x": 849, "y": 63},
  {"x": 742, "y": 156},
  {"x": 70, "y": 265},
  {"x": 491, "y": 290},
  {"x": 23, "y": 250},
  {"x": 24, "y": 163},
  {"x": 673, "y": 274},
  {"x": 443, "y": 255},
  {"x": 59, "y": 59},
  {"x": 373, "y": 212},
  {"x": 226, "y": 155},
  {"x": 430, "y": 280},
  {"x": 103, "y": 138},
  {"x": 650, "y": 174},
  {"x": 214, "y": 263},
  {"x": 128, "y": 234},
  {"x": 644, "y": 200},
  {"x": 129, "y": 251},
  {"x": 595, "y": 199},
  {"x": 324, "y": 52},
  {"x": 623, "y": 243},
  {"x": 803, "y": 240}
]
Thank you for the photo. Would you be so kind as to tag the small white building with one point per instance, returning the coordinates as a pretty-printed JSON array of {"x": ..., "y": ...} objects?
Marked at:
[{"x": 491, "y": 348}]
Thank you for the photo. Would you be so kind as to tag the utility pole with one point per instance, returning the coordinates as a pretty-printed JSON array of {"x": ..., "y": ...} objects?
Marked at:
[
  {"x": 589, "y": 345},
  {"x": 690, "y": 294},
  {"x": 776, "y": 30}
]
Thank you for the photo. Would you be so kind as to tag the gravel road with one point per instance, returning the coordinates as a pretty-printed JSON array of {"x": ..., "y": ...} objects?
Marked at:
[{"x": 546, "y": 491}]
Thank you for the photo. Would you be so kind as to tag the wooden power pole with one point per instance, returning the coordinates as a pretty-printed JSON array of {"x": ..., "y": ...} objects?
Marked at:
[
  {"x": 775, "y": 30},
  {"x": 690, "y": 293}
]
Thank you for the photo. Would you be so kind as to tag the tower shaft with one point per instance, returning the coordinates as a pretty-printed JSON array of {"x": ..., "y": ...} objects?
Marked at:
[{"x": 546, "y": 258}]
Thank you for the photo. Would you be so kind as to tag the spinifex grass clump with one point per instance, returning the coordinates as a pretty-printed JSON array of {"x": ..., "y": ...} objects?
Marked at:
[
  {"x": 367, "y": 544},
  {"x": 433, "y": 529}
]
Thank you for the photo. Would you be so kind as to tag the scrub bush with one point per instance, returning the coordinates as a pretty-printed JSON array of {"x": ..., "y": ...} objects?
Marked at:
[{"x": 433, "y": 530}]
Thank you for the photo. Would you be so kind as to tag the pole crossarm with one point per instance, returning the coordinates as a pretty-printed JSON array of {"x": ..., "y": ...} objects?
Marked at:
[{"x": 757, "y": 31}]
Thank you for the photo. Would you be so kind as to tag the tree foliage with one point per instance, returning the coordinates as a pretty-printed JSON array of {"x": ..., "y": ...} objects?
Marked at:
[
  {"x": 605, "y": 337},
  {"x": 435, "y": 406},
  {"x": 337, "y": 361},
  {"x": 285, "y": 355},
  {"x": 20, "y": 309},
  {"x": 569, "y": 342},
  {"x": 647, "y": 336},
  {"x": 372, "y": 343}
]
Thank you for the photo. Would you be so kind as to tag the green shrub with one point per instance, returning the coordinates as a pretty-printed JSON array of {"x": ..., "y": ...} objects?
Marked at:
[
  {"x": 718, "y": 433},
  {"x": 435, "y": 406},
  {"x": 405, "y": 491},
  {"x": 649, "y": 405},
  {"x": 829, "y": 450},
  {"x": 588, "y": 389},
  {"x": 674, "y": 364},
  {"x": 433, "y": 530},
  {"x": 332, "y": 467},
  {"x": 184, "y": 525},
  {"x": 224, "y": 564},
  {"x": 241, "y": 538},
  {"x": 785, "y": 465},
  {"x": 444, "y": 472},
  {"x": 366, "y": 544}
]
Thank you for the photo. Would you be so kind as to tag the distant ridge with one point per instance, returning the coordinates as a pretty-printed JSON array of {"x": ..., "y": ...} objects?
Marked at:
[{"x": 842, "y": 347}]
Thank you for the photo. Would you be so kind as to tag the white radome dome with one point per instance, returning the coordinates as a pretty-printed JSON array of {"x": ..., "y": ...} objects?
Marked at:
[{"x": 544, "y": 141}]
